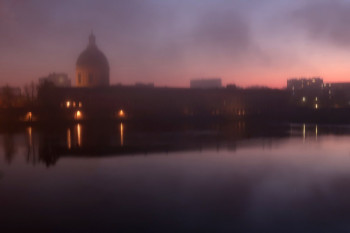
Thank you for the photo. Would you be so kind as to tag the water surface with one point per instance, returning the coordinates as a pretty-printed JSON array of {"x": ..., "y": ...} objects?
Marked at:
[{"x": 222, "y": 179}]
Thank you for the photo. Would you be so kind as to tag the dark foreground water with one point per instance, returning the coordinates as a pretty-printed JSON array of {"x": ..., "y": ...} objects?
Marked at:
[{"x": 294, "y": 178}]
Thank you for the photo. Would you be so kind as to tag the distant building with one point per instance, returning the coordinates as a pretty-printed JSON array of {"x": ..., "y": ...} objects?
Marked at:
[
  {"x": 59, "y": 79},
  {"x": 304, "y": 83},
  {"x": 312, "y": 92},
  {"x": 206, "y": 83},
  {"x": 306, "y": 92},
  {"x": 338, "y": 86},
  {"x": 133, "y": 102},
  {"x": 232, "y": 86},
  {"x": 92, "y": 68},
  {"x": 140, "y": 84},
  {"x": 338, "y": 94}
]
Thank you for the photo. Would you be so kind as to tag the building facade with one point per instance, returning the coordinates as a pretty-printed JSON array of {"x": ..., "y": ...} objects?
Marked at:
[
  {"x": 206, "y": 83},
  {"x": 314, "y": 93},
  {"x": 58, "y": 79},
  {"x": 92, "y": 68}
]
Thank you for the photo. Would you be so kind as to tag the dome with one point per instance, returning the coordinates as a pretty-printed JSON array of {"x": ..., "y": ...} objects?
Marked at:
[{"x": 92, "y": 68}]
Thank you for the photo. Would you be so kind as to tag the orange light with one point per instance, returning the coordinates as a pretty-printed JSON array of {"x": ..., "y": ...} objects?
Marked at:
[
  {"x": 121, "y": 134},
  {"x": 69, "y": 139},
  {"x": 29, "y": 116},
  {"x": 78, "y": 115},
  {"x": 80, "y": 104},
  {"x": 30, "y": 136},
  {"x": 79, "y": 134},
  {"x": 121, "y": 113},
  {"x": 68, "y": 104}
]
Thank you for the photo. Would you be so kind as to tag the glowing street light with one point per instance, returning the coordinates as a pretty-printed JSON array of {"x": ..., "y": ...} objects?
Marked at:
[
  {"x": 29, "y": 116},
  {"x": 121, "y": 113},
  {"x": 78, "y": 115}
]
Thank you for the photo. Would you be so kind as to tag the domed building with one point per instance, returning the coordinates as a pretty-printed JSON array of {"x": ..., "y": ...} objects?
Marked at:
[{"x": 92, "y": 68}]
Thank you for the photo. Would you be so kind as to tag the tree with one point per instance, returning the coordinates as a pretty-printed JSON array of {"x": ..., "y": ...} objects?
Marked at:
[
  {"x": 8, "y": 97},
  {"x": 47, "y": 96}
]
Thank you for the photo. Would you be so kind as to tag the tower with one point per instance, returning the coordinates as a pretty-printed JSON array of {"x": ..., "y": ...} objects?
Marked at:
[{"x": 92, "y": 68}]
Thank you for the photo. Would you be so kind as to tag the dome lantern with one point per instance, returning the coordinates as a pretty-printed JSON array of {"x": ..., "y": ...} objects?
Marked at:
[{"x": 92, "y": 40}]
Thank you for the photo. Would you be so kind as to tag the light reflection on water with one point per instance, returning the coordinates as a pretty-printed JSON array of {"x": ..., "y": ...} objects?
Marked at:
[
  {"x": 30, "y": 136},
  {"x": 79, "y": 135},
  {"x": 69, "y": 139},
  {"x": 121, "y": 134},
  {"x": 299, "y": 181},
  {"x": 307, "y": 132},
  {"x": 76, "y": 139},
  {"x": 150, "y": 141}
]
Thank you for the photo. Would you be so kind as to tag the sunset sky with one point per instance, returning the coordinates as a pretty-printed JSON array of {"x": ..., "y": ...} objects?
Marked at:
[{"x": 246, "y": 42}]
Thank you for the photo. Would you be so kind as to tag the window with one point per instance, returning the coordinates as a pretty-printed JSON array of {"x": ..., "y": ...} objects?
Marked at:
[{"x": 79, "y": 78}]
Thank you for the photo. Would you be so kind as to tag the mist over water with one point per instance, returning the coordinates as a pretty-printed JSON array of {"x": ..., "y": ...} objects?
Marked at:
[
  {"x": 174, "y": 116},
  {"x": 238, "y": 177}
]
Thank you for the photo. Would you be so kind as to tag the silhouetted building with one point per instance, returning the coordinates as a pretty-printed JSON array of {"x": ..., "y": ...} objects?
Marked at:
[
  {"x": 92, "y": 68},
  {"x": 140, "y": 84},
  {"x": 338, "y": 94},
  {"x": 306, "y": 91},
  {"x": 159, "y": 103},
  {"x": 206, "y": 83},
  {"x": 313, "y": 93},
  {"x": 58, "y": 79},
  {"x": 232, "y": 86},
  {"x": 296, "y": 84}
]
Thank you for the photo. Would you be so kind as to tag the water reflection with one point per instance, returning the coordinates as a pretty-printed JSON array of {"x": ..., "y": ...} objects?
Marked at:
[
  {"x": 121, "y": 134},
  {"x": 259, "y": 181},
  {"x": 69, "y": 139},
  {"x": 30, "y": 136},
  {"x": 9, "y": 147},
  {"x": 101, "y": 140},
  {"x": 75, "y": 140},
  {"x": 31, "y": 156},
  {"x": 308, "y": 132},
  {"x": 79, "y": 135}
]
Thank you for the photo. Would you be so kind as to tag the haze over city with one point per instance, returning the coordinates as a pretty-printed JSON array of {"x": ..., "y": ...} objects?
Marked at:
[
  {"x": 175, "y": 116},
  {"x": 169, "y": 43}
]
